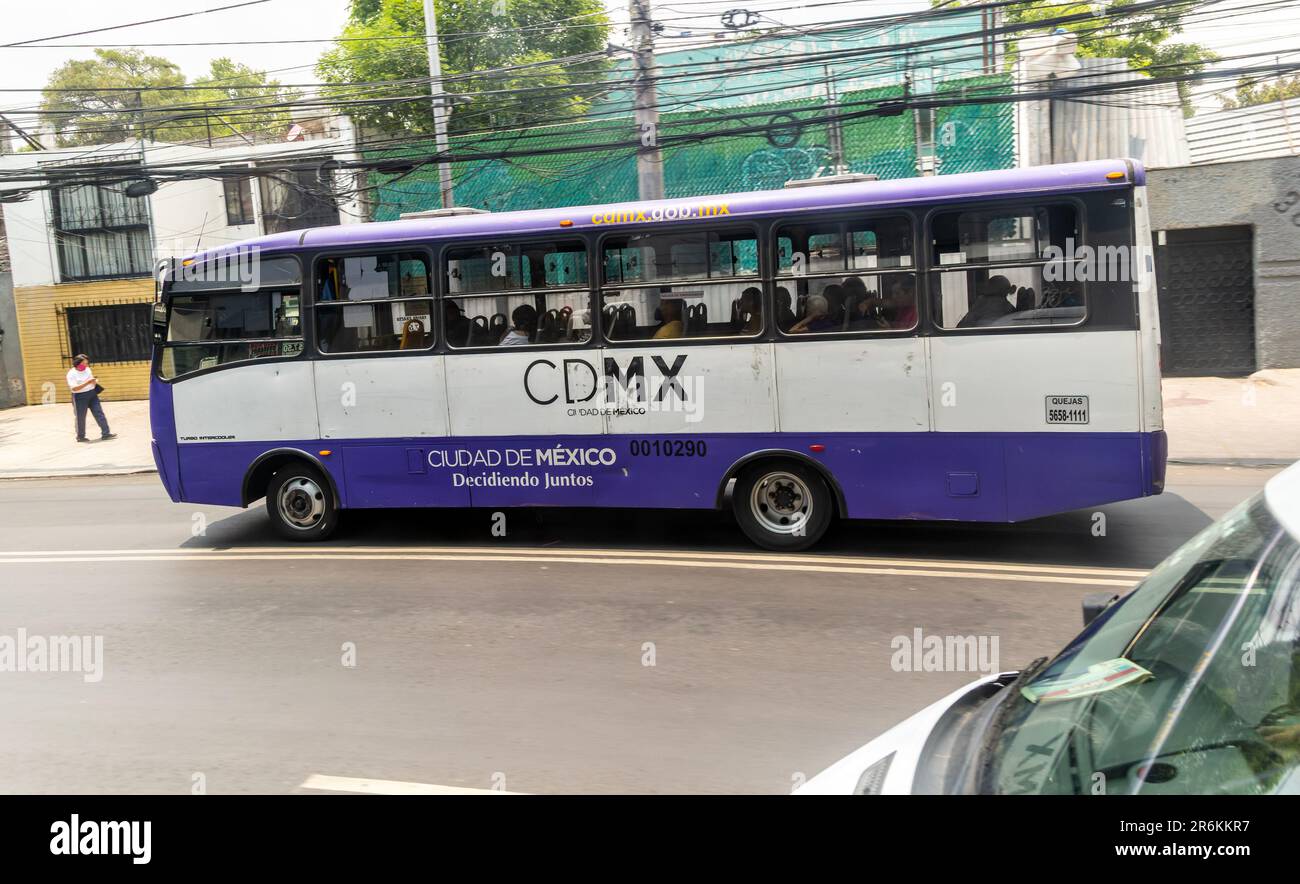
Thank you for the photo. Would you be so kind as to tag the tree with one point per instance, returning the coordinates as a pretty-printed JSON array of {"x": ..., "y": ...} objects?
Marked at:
[
  {"x": 81, "y": 112},
  {"x": 1142, "y": 37},
  {"x": 120, "y": 95},
  {"x": 1250, "y": 93},
  {"x": 383, "y": 43},
  {"x": 236, "y": 99}
]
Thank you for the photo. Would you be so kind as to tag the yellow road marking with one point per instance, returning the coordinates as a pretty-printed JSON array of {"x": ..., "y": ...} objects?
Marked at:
[
  {"x": 511, "y": 553},
  {"x": 795, "y": 564}
]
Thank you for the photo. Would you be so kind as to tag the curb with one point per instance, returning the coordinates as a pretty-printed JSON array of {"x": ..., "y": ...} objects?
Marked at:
[
  {"x": 76, "y": 472},
  {"x": 1233, "y": 461}
]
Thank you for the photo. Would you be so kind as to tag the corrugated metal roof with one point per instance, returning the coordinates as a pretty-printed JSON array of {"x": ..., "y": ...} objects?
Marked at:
[
  {"x": 1146, "y": 123},
  {"x": 1263, "y": 130}
]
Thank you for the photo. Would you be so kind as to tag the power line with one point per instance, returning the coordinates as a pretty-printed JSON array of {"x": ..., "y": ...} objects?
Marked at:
[{"x": 134, "y": 24}]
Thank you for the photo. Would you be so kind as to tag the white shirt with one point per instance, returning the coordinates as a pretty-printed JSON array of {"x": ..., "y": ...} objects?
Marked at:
[
  {"x": 79, "y": 376},
  {"x": 514, "y": 338}
]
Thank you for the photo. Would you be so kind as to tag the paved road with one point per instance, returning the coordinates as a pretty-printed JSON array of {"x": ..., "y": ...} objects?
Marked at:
[{"x": 517, "y": 662}]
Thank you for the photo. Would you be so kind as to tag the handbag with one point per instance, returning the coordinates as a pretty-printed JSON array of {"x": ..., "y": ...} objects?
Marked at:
[{"x": 98, "y": 389}]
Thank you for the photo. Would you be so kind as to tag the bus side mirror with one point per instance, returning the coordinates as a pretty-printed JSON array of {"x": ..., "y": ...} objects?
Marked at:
[
  {"x": 1096, "y": 603},
  {"x": 159, "y": 322}
]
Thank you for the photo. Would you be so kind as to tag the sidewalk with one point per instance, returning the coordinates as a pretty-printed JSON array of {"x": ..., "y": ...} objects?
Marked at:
[
  {"x": 40, "y": 441},
  {"x": 1250, "y": 421}
]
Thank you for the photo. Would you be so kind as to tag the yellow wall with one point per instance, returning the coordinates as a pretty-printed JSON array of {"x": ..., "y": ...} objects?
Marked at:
[{"x": 43, "y": 332}]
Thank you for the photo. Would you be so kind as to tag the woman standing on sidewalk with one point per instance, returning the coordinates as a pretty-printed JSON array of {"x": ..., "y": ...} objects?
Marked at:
[{"x": 85, "y": 397}]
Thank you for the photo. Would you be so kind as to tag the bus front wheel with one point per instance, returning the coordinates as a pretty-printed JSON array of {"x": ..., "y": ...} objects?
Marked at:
[
  {"x": 782, "y": 505},
  {"x": 300, "y": 503}
]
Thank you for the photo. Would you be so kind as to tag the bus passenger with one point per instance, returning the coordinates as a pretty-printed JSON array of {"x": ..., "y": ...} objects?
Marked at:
[
  {"x": 670, "y": 311},
  {"x": 855, "y": 292},
  {"x": 457, "y": 325},
  {"x": 784, "y": 315},
  {"x": 902, "y": 302},
  {"x": 524, "y": 318},
  {"x": 990, "y": 304},
  {"x": 816, "y": 318},
  {"x": 869, "y": 312},
  {"x": 751, "y": 310},
  {"x": 834, "y": 295}
]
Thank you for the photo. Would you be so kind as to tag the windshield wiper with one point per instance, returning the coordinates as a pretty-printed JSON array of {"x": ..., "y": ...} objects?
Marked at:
[{"x": 975, "y": 769}]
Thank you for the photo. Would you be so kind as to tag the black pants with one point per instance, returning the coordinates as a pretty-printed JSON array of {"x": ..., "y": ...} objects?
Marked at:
[{"x": 89, "y": 401}]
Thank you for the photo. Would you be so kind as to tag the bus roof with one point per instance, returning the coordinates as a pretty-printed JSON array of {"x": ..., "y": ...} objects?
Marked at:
[{"x": 1066, "y": 177}]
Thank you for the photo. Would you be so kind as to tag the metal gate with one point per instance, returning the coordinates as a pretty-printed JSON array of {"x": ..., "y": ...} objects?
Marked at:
[{"x": 1207, "y": 300}]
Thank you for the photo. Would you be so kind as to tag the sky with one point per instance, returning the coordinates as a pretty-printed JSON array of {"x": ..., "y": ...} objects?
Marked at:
[{"x": 319, "y": 20}]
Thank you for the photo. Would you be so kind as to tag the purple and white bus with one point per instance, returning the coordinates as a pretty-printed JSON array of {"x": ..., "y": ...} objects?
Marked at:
[{"x": 978, "y": 347}]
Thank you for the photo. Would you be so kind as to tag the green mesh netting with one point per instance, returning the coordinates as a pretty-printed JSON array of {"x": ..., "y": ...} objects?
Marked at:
[{"x": 967, "y": 138}]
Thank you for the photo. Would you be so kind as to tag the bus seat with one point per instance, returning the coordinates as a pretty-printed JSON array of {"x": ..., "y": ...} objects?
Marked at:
[
  {"x": 478, "y": 332},
  {"x": 626, "y": 322},
  {"x": 497, "y": 326},
  {"x": 1025, "y": 299},
  {"x": 546, "y": 327},
  {"x": 414, "y": 335}
]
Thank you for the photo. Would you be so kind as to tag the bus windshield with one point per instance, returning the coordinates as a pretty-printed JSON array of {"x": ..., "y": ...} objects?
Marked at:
[{"x": 1190, "y": 685}]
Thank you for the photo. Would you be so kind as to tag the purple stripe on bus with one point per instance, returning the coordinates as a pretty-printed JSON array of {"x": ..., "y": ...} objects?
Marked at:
[
  {"x": 987, "y": 477},
  {"x": 1070, "y": 177}
]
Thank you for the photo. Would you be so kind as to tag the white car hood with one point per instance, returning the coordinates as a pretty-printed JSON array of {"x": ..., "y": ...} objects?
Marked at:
[{"x": 905, "y": 739}]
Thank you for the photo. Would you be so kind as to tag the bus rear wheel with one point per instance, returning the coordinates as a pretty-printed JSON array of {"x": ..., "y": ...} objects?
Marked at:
[
  {"x": 300, "y": 504},
  {"x": 782, "y": 505}
]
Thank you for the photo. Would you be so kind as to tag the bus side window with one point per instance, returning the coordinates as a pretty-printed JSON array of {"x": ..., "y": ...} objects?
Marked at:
[
  {"x": 1006, "y": 268},
  {"x": 369, "y": 303},
  {"x": 851, "y": 277},
  {"x": 697, "y": 284},
  {"x": 517, "y": 294}
]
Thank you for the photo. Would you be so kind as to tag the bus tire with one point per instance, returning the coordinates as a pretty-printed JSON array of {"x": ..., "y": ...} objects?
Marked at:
[
  {"x": 782, "y": 504},
  {"x": 301, "y": 504}
]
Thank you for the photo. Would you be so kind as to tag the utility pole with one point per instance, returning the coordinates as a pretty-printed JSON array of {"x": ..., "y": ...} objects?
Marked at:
[
  {"x": 439, "y": 104},
  {"x": 649, "y": 162},
  {"x": 836, "y": 132}
]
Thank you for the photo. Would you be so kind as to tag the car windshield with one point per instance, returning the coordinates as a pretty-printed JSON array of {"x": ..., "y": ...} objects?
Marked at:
[{"x": 1190, "y": 685}]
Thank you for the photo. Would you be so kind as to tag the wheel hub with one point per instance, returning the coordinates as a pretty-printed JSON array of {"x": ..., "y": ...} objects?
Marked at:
[
  {"x": 781, "y": 502},
  {"x": 301, "y": 503}
]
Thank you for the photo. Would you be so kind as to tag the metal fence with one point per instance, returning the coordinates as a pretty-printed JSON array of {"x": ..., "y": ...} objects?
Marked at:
[{"x": 794, "y": 141}]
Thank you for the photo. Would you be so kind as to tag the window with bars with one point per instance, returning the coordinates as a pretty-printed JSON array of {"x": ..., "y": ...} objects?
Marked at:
[
  {"x": 295, "y": 200},
  {"x": 110, "y": 333},
  {"x": 101, "y": 232}
]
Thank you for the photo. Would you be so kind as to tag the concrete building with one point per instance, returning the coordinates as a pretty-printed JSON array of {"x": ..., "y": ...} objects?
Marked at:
[
  {"x": 1224, "y": 192},
  {"x": 1228, "y": 264},
  {"x": 83, "y": 255}
]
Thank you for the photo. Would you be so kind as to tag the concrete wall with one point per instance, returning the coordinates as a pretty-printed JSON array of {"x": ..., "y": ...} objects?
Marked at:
[
  {"x": 1265, "y": 195},
  {"x": 44, "y": 331},
  {"x": 12, "y": 390}
]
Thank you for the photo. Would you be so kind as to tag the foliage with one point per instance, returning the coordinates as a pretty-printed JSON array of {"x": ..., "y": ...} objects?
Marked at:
[
  {"x": 383, "y": 43},
  {"x": 124, "y": 94}
]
